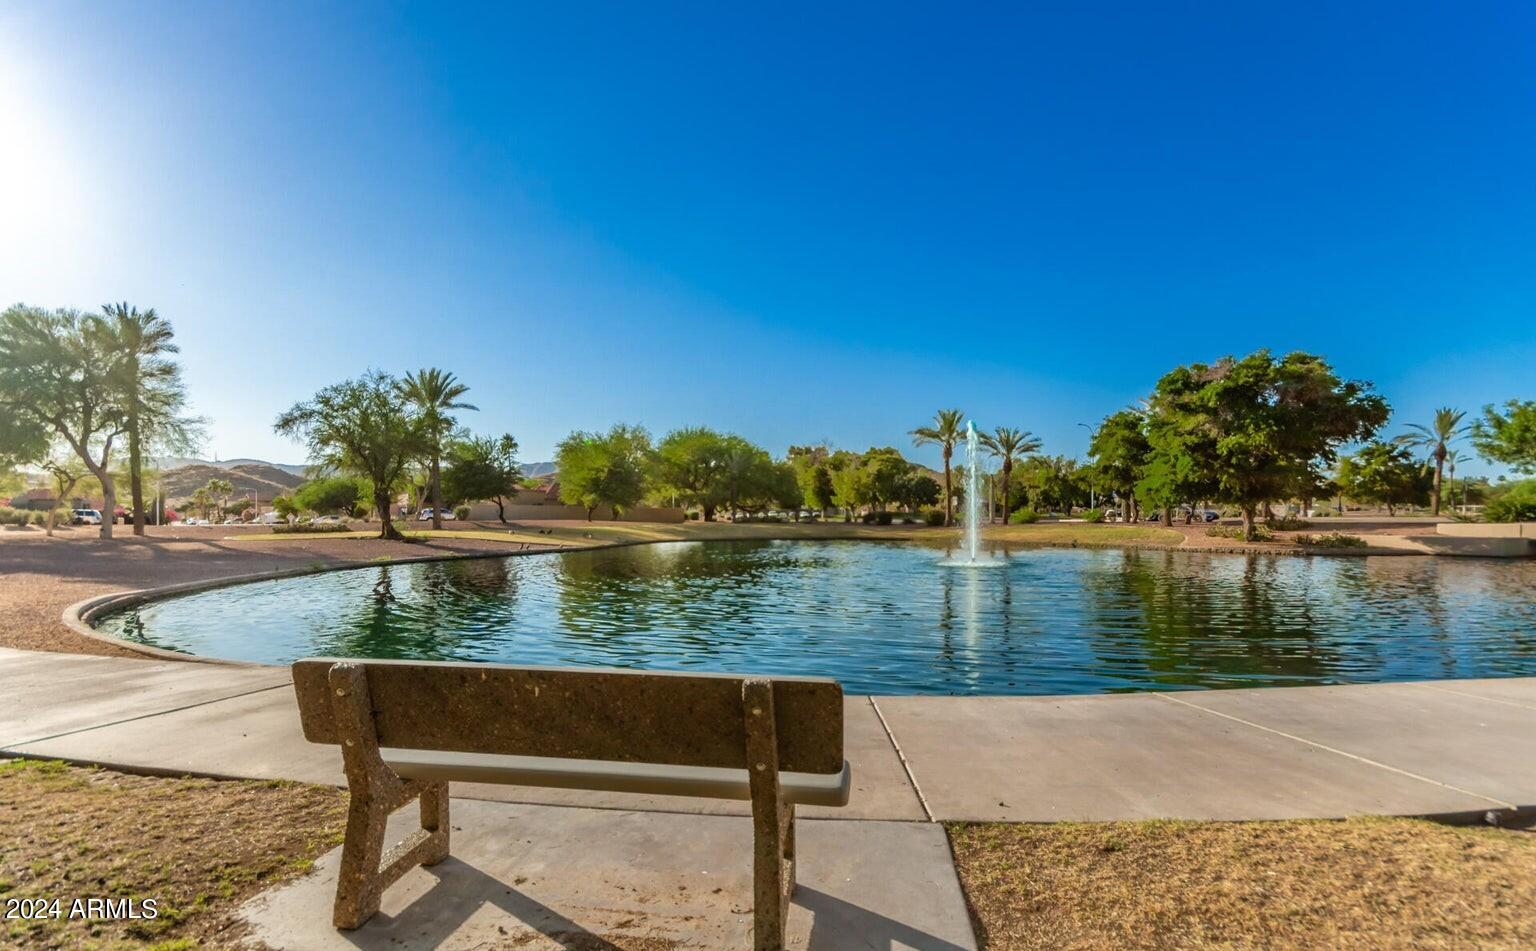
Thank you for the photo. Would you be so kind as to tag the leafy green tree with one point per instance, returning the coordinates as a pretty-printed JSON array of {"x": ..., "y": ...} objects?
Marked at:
[
  {"x": 1177, "y": 443},
  {"x": 331, "y": 495},
  {"x": 1119, "y": 449},
  {"x": 945, "y": 432},
  {"x": 813, "y": 475},
  {"x": 886, "y": 475},
  {"x": 1009, "y": 445},
  {"x": 1384, "y": 474},
  {"x": 745, "y": 468},
  {"x": 599, "y": 469},
  {"x": 688, "y": 466},
  {"x": 918, "y": 490},
  {"x": 362, "y": 426},
  {"x": 55, "y": 381},
  {"x": 1508, "y": 437},
  {"x": 29, "y": 445},
  {"x": 481, "y": 467},
  {"x": 776, "y": 486},
  {"x": 1435, "y": 440},
  {"x": 284, "y": 507},
  {"x": 850, "y": 482},
  {"x": 65, "y": 472},
  {"x": 148, "y": 389},
  {"x": 239, "y": 507},
  {"x": 435, "y": 394},
  {"x": 1045, "y": 483},
  {"x": 1258, "y": 427},
  {"x": 1512, "y": 502}
]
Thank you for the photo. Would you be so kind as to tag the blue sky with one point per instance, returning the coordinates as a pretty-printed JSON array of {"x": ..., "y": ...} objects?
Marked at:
[{"x": 801, "y": 224}]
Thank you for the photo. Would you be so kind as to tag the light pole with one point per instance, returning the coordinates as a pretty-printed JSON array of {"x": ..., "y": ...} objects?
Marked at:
[{"x": 1093, "y": 500}]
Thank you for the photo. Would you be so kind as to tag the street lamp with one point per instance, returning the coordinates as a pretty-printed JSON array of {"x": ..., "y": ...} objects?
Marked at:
[{"x": 1093, "y": 500}]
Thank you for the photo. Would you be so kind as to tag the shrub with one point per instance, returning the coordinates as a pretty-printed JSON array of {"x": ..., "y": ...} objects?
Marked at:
[
  {"x": 1332, "y": 540},
  {"x": 10, "y": 516},
  {"x": 1517, "y": 503},
  {"x": 1261, "y": 533},
  {"x": 1286, "y": 524},
  {"x": 311, "y": 528},
  {"x": 1323, "y": 513},
  {"x": 1093, "y": 515},
  {"x": 1024, "y": 517},
  {"x": 461, "y": 512},
  {"x": 882, "y": 518},
  {"x": 933, "y": 517},
  {"x": 691, "y": 516}
]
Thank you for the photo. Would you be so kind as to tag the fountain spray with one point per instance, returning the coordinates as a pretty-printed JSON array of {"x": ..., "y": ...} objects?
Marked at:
[{"x": 972, "y": 490}]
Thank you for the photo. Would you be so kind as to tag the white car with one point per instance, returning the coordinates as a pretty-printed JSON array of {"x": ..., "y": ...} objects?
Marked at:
[
  {"x": 425, "y": 515},
  {"x": 85, "y": 517},
  {"x": 327, "y": 520}
]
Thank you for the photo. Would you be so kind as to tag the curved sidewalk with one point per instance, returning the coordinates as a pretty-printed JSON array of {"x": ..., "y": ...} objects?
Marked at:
[{"x": 1463, "y": 749}]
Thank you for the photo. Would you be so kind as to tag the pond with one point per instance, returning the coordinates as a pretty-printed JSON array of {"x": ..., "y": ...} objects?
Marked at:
[{"x": 889, "y": 618}]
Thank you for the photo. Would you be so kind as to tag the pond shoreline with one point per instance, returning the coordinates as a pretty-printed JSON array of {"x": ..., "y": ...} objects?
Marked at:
[{"x": 884, "y": 619}]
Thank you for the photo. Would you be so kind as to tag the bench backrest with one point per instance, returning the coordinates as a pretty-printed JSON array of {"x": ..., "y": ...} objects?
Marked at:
[{"x": 579, "y": 713}]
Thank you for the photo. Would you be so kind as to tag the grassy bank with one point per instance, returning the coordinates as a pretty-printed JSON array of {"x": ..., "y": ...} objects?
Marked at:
[
  {"x": 198, "y": 847},
  {"x": 1359, "y": 883}
]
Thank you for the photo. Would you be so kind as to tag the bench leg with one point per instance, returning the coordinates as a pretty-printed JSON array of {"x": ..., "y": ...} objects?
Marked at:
[
  {"x": 366, "y": 870},
  {"x": 434, "y": 819},
  {"x": 358, "y": 888},
  {"x": 773, "y": 822}
]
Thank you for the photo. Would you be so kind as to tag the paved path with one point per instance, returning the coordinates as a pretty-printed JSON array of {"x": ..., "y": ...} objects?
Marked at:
[
  {"x": 1448, "y": 748},
  {"x": 1458, "y": 749}
]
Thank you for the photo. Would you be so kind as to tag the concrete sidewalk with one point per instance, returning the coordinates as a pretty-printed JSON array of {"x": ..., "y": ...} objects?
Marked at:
[
  {"x": 531, "y": 863},
  {"x": 546, "y": 876},
  {"x": 1449, "y": 748}
]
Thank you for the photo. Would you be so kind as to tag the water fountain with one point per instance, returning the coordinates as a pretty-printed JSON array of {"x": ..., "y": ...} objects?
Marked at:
[
  {"x": 970, "y": 555},
  {"x": 972, "y": 491}
]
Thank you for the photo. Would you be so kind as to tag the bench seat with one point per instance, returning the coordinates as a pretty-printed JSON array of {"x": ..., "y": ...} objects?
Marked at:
[{"x": 809, "y": 789}]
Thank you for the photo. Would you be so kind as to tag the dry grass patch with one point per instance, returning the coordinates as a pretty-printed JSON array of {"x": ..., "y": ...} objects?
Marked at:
[
  {"x": 199, "y": 847},
  {"x": 1358, "y": 883}
]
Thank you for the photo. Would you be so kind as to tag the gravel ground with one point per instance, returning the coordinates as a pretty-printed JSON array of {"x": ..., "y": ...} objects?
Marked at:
[{"x": 41, "y": 576}]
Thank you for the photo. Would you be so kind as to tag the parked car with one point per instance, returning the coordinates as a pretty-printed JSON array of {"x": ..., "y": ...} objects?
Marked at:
[
  {"x": 270, "y": 518},
  {"x": 195, "y": 521},
  {"x": 425, "y": 515},
  {"x": 85, "y": 517},
  {"x": 1209, "y": 515},
  {"x": 327, "y": 520}
]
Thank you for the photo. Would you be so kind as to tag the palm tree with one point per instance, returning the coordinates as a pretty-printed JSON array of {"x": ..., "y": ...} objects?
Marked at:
[
  {"x": 434, "y": 393},
  {"x": 1452, "y": 460},
  {"x": 138, "y": 345},
  {"x": 219, "y": 491},
  {"x": 945, "y": 432},
  {"x": 1008, "y": 445},
  {"x": 1435, "y": 439}
]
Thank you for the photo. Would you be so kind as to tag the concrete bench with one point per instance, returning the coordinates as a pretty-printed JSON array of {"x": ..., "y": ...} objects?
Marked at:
[{"x": 406, "y": 729}]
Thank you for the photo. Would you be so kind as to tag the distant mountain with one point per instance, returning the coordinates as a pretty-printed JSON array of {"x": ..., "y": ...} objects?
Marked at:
[
  {"x": 178, "y": 462},
  {"x": 257, "y": 480},
  {"x": 535, "y": 469}
]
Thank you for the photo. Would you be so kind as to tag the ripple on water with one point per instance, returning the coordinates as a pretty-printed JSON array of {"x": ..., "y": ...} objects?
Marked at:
[{"x": 894, "y": 618}]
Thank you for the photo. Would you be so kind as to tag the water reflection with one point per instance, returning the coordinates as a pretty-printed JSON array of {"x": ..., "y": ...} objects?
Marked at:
[{"x": 887, "y": 618}]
